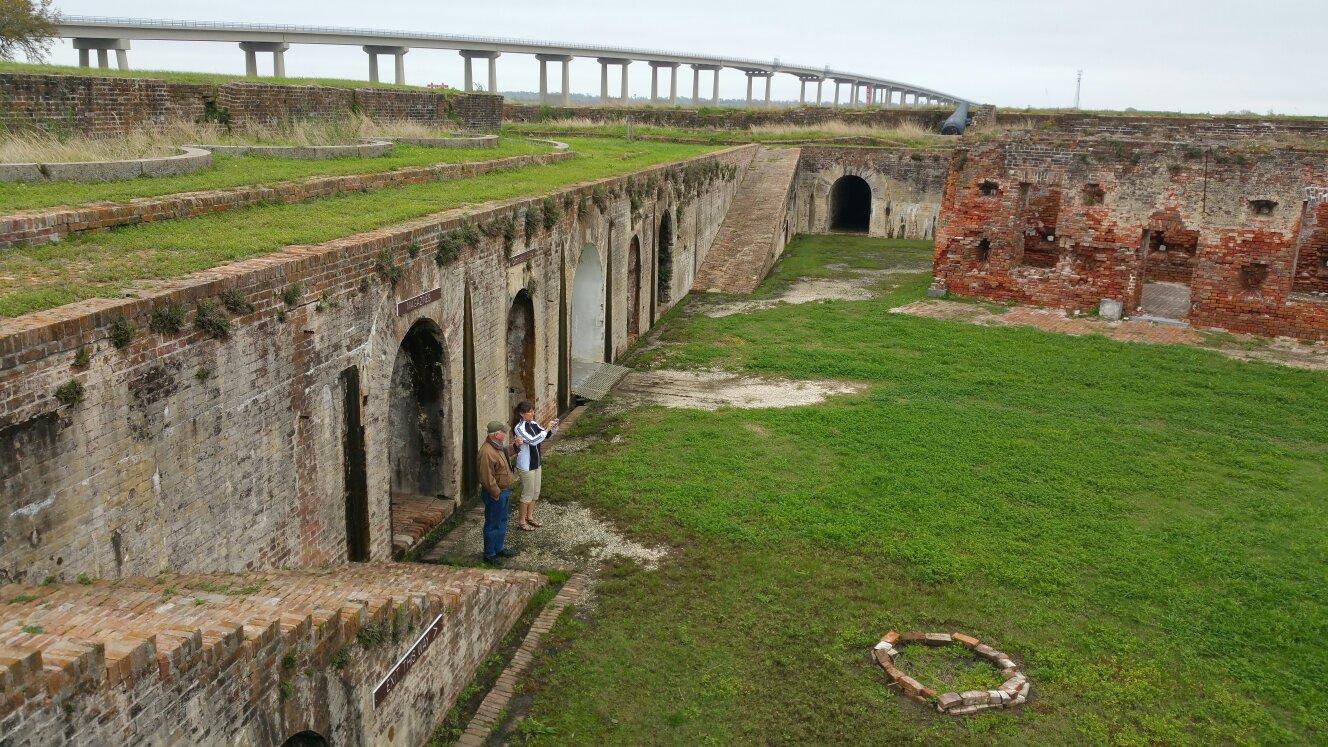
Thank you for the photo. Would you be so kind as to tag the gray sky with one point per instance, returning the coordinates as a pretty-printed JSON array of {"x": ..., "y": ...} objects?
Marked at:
[{"x": 1189, "y": 55}]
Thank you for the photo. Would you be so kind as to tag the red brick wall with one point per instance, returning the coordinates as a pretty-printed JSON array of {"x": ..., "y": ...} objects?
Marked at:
[
  {"x": 112, "y": 106},
  {"x": 731, "y": 119},
  {"x": 1098, "y": 197}
]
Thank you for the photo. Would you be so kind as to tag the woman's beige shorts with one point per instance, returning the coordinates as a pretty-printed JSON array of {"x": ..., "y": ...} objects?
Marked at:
[{"x": 530, "y": 484}]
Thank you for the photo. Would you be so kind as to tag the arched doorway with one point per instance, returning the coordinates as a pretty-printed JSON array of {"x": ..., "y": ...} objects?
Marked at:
[
  {"x": 634, "y": 288},
  {"x": 521, "y": 349},
  {"x": 416, "y": 453},
  {"x": 354, "y": 467},
  {"x": 664, "y": 261},
  {"x": 305, "y": 739},
  {"x": 850, "y": 204},
  {"x": 588, "y": 308}
]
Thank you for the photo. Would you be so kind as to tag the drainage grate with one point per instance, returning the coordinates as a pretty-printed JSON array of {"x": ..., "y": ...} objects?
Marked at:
[{"x": 1166, "y": 300}]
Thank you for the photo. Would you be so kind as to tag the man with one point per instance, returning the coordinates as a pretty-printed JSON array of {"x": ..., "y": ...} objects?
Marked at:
[{"x": 495, "y": 485}]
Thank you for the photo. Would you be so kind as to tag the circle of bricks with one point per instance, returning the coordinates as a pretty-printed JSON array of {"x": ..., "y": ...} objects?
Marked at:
[{"x": 1012, "y": 692}]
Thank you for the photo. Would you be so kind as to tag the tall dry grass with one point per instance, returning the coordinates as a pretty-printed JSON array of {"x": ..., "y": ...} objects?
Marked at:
[{"x": 42, "y": 147}]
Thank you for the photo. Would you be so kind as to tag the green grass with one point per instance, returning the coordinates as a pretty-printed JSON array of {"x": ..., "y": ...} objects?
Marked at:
[
  {"x": 109, "y": 264},
  {"x": 231, "y": 171},
  {"x": 178, "y": 76},
  {"x": 1140, "y": 526}
]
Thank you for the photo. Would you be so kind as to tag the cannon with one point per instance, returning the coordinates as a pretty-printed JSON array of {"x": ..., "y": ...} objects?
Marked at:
[{"x": 957, "y": 122}]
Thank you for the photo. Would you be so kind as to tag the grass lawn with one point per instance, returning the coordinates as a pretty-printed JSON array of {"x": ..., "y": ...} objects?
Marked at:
[
  {"x": 233, "y": 171},
  {"x": 180, "y": 76},
  {"x": 109, "y": 264},
  {"x": 1141, "y": 527}
]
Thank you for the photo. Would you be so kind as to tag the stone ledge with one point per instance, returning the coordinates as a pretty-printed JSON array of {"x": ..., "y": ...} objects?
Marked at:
[
  {"x": 191, "y": 159},
  {"x": 366, "y": 149},
  {"x": 458, "y": 141},
  {"x": 1012, "y": 692}
]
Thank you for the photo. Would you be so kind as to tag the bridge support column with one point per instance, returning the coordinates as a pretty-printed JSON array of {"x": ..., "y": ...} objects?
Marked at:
[
  {"x": 373, "y": 50},
  {"x": 103, "y": 48},
  {"x": 803, "y": 80},
  {"x": 673, "y": 81},
  {"x": 696, "y": 86},
  {"x": 625, "y": 63},
  {"x": 492, "y": 57},
  {"x": 544, "y": 59},
  {"x": 604, "y": 63},
  {"x": 750, "y": 75},
  {"x": 714, "y": 91},
  {"x": 251, "y": 50},
  {"x": 819, "y": 82}
]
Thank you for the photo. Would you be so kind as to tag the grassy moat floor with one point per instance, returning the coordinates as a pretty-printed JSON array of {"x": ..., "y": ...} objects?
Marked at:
[{"x": 1140, "y": 526}]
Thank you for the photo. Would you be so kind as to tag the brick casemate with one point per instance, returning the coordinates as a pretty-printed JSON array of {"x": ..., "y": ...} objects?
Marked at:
[
  {"x": 905, "y": 184},
  {"x": 254, "y": 658},
  {"x": 41, "y": 226},
  {"x": 1061, "y": 221},
  {"x": 103, "y": 105},
  {"x": 204, "y": 450}
]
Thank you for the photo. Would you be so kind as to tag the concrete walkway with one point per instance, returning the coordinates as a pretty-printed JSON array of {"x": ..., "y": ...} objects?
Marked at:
[{"x": 752, "y": 236}]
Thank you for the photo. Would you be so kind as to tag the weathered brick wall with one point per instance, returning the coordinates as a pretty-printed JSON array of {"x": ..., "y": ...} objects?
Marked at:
[
  {"x": 1060, "y": 221},
  {"x": 1187, "y": 128},
  {"x": 191, "y": 453},
  {"x": 731, "y": 119},
  {"x": 906, "y": 186},
  {"x": 270, "y": 672},
  {"x": 112, "y": 106}
]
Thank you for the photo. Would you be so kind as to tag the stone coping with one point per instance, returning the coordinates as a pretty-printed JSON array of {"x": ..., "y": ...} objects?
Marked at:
[
  {"x": 454, "y": 141},
  {"x": 190, "y": 159},
  {"x": 557, "y": 144},
  {"x": 364, "y": 149},
  {"x": 1012, "y": 692}
]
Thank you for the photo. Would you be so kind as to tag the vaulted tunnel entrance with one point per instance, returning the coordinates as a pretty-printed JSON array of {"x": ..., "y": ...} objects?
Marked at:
[
  {"x": 664, "y": 261},
  {"x": 850, "y": 204},
  {"x": 588, "y": 308},
  {"x": 521, "y": 350},
  {"x": 416, "y": 452},
  {"x": 634, "y": 288}
]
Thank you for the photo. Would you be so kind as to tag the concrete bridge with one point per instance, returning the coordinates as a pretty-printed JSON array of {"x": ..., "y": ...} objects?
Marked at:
[{"x": 104, "y": 35}]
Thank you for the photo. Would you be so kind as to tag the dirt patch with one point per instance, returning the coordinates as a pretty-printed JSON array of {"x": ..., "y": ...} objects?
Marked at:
[
  {"x": 711, "y": 390},
  {"x": 572, "y": 537},
  {"x": 860, "y": 286},
  {"x": 1282, "y": 351}
]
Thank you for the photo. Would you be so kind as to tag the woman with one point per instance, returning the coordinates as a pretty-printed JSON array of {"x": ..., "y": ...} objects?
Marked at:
[{"x": 529, "y": 435}]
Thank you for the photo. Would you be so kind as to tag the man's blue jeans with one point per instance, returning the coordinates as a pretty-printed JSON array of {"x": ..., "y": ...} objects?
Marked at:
[{"x": 495, "y": 522}]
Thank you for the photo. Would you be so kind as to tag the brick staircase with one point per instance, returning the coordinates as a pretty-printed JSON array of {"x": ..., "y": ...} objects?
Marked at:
[
  {"x": 750, "y": 238},
  {"x": 78, "y": 652}
]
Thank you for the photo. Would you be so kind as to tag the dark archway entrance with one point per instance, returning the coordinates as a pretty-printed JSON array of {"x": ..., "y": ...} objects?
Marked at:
[
  {"x": 416, "y": 452},
  {"x": 634, "y": 288},
  {"x": 306, "y": 739},
  {"x": 664, "y": 261},
  {"x": 521, "y": 350},
  {"x": 850, "y": 204},
  {"x": 354, "y": 467}
]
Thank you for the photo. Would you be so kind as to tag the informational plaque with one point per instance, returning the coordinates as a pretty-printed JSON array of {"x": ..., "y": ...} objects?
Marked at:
[
  {"x": 410, "y": 304},
  {"x": 408, "y": 659}
]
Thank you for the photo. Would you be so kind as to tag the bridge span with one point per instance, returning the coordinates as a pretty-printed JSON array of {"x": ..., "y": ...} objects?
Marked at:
[{"x": 104, "y": 35}]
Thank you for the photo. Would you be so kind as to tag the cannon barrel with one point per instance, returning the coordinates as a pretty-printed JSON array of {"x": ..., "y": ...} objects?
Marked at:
[{"x": 957, "y": 122}]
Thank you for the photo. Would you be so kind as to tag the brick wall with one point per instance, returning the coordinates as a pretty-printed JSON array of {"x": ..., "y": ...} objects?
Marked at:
[
  {"x": 159, "y": 668},
  {"x": 730, "y": 119},
  {"x": 192, "y": 454},
  {"x": 906, "y": 186},
  {"x": 1189, "y": 127},
  {"x": 112, "y": 106},
  {"x": 1060, "y": 221}
]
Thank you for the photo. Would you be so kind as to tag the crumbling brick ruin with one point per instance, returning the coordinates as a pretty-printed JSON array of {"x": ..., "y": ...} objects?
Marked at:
[{"x": 1229, "y": 236}]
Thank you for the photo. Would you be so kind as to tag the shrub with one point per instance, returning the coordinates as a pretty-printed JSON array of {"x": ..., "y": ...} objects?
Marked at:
[
  {"x": 534, "y": 220},
  {"x": 468, "y": 234},
  {"x": 166, "y": 320},
  {"x": 600, "y": 196},
  {"x": 385, "y": 268},
  {"x": 449, "y": 245},
  {"x": 413, "y": 250},
  {"x": 82, "y": 358},
  {"x": 290, "y": 295},
  {"x": 69, "y": 393},
  {"x": 122, "y": 332},
  {"x": 552, "y": 212},
  {"x": 203, "y": 374},
  {"x": 209, "y": 321},
  {"x": 235, "y": 302}
]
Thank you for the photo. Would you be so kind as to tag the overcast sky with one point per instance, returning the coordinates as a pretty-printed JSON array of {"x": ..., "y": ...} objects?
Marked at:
[{"x": 1188, "y": 55}]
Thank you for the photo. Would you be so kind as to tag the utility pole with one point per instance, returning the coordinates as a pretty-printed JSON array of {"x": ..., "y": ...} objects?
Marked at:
[{"x": 1078, "y": 86}]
